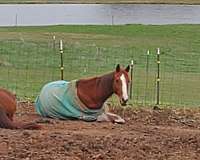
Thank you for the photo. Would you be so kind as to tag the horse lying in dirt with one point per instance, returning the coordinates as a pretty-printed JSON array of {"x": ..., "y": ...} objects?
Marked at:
[
  {"x": 84, "y": 99},
  {"x": 7, "y": 110}
]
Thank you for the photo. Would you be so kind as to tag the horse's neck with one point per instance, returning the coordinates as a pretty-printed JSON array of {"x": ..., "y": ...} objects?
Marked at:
[{"x": 94, "y": 92}]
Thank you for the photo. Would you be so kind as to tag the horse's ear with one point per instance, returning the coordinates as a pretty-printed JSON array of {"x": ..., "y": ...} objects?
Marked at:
[
  {"x": 118, "y": 68},
  {"x": 127, "y": 68}
]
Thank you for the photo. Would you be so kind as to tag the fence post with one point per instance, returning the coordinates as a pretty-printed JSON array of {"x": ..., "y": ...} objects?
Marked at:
[
  {"x": 16, "y": 20},
  {"x": 61, "y": 60},
  {"x": 131, "y": 87},
  {"x": 112, "y": 19},
  {"x": 158, "y": 77},
  {"x": 54, "y": 44},
  {"x": 147, "y": 75}
]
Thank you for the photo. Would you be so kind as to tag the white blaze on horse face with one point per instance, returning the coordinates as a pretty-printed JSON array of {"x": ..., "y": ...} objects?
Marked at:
[{"x": 124, "y": 87}]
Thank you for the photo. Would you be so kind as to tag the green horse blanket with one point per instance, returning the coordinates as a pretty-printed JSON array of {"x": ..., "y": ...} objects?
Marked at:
[{"x": 59, "y": 99}]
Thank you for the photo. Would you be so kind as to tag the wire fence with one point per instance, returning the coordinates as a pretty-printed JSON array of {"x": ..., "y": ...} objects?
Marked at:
[{"x": 26, "y": 66}]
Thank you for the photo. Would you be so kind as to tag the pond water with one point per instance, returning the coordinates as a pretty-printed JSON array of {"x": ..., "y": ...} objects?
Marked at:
[{"x": 98, "y": 14}]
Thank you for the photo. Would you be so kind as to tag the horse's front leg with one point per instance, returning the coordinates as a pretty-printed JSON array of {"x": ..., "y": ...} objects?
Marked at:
[{"x": 110, "y": 117}]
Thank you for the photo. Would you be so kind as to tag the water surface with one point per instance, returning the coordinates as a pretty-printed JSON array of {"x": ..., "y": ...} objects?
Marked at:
[{"x": 99, "y": 14}]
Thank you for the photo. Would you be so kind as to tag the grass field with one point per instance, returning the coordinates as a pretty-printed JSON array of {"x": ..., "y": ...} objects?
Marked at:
[
  {"x": 28, "y": 58},
  {"x": 102, "y": 1}
]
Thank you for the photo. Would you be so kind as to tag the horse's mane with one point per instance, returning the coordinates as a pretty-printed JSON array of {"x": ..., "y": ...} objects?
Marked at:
[{"x": 96, "y": 77}]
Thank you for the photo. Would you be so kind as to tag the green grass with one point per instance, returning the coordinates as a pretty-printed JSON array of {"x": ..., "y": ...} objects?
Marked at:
[
  {"x": 28, "y": 59},
  {"x": 101, "y": 1}
]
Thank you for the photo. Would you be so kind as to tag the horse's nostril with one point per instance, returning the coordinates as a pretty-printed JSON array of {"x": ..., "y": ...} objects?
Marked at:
[{"x": 125, "y": 100}]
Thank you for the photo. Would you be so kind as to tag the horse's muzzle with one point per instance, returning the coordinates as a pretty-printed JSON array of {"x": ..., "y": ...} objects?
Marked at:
[{"x": 124, "y": 102}]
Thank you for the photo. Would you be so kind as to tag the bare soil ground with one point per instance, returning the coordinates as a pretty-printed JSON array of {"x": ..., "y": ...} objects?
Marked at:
[{"x": 148, "y": 134}]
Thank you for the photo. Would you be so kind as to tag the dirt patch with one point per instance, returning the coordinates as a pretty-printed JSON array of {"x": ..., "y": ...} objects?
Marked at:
[{"x": 147, "y": 134}]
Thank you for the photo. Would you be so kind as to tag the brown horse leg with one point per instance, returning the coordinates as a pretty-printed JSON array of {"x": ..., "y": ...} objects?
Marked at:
[
  {"x": 10, "y": 116},
  {"x": 7, "y": 110},
  {"x": 30, "y": 126},
  {"x": 6, "y": 122}
]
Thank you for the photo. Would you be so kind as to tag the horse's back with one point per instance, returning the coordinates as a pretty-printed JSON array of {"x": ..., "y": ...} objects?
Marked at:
[
  {"x": 52, "y": 99},
  {"x": 53, "y": 88},
  {"x": 59, "y": 100}
]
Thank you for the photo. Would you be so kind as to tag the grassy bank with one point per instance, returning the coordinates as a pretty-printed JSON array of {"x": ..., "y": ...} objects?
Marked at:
[
  {"x": 28, "y": 58},
  {"x": 101, "y": 1}
]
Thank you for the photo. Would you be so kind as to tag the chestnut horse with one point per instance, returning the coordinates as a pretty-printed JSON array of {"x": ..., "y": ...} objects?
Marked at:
[
  {"x": 84, "y": 99},
  {"x": 7, "y": 110}
]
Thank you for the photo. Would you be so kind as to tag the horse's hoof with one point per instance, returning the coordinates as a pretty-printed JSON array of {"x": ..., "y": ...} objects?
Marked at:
[
  {"x": 119, "y": 121},
  {"x": 156, "y": 108}
]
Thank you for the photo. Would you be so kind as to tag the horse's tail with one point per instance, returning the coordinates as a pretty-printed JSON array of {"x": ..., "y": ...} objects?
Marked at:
[{"x": 5, "y": 122}]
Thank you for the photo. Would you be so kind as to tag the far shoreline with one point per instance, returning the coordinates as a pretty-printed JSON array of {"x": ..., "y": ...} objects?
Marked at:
[{"x": 161, "y": 2}]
